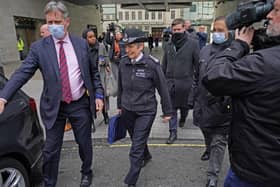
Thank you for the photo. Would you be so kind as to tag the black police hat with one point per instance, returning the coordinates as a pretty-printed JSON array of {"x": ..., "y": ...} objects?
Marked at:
[{"x": 134, "y": 36}]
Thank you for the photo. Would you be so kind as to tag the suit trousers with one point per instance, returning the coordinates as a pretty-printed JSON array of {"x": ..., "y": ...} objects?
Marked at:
[
  {"x": 215, "y": 145},
  {"x": 78, "y": 112},
  {"x": 139, "y": 126},
  {"x": 173, "y": 123}
]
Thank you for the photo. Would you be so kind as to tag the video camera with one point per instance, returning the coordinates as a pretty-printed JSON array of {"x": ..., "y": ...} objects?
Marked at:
[
  {"x": 166, "y": 34},
  {"x": 248, "y": 13},
  {"x": 111, "y": 27}
]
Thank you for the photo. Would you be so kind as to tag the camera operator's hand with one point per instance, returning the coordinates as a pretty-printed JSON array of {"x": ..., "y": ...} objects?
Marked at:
[{"x": 245, "y": 34}]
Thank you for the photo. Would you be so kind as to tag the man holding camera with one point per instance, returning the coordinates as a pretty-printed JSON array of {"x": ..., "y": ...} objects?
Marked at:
[{"x": 253, "y": 81}]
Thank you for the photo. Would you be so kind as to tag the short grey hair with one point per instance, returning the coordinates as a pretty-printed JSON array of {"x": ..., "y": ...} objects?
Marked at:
[{"x": 56, "y": 6}]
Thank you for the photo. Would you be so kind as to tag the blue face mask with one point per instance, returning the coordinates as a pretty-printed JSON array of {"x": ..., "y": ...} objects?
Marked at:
[
  {"x": 57, "y": 31},
  {"x": 219, "y": 37}
]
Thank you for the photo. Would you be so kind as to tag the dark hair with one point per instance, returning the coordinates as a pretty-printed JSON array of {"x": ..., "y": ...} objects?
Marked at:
[
  {"x": 220, "y": 18},
  {"x": 178, "y": 21},
  {"x": 85, "y": 32}
]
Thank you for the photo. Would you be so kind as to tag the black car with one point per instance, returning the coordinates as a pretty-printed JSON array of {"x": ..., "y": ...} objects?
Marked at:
[{"x": 21, "y": 142}]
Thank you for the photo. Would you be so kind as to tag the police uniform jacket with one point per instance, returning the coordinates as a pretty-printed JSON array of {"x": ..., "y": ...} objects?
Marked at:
[
  {"x": 254, "y": 84},
  {"x": 138, "y": 83},
  {"x": 209, "y": 110}
]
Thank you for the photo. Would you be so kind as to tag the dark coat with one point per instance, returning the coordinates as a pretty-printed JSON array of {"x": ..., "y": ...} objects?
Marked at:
[
  {"x": 254, "y": 84},
  {"x": 138, "y": 83},
  {"x": 178, "y": 68},
  {"x": 210, "y": 111},
  {"x": 43, "y": 56}
]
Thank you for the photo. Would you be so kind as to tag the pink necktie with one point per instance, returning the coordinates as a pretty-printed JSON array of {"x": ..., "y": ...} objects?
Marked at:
[{"x": 66, "y": 89}]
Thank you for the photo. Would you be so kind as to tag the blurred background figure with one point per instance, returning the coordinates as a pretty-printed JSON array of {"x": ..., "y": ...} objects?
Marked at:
[
  {"x": 151, "y": 42},
  {"x": 20, "y": 46},
  {"x": 202, "y": 36},
  {"x": 166, "y": 35},
  {"x": 114, "y": 38},
  {"x": 189, "y": 29},
  {"x": 44, "y": 31},
  {"x": 156, "y": 42}
]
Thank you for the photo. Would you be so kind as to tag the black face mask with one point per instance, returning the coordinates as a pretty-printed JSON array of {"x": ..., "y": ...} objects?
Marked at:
[
  {"x": 177, "y": 36},
  {"x": 178, "y": 39}
]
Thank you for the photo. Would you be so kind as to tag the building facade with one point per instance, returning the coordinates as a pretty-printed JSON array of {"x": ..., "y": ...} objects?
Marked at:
[
  {"x": 154, "y": 22},
  {"x": 24, "y": 18}
]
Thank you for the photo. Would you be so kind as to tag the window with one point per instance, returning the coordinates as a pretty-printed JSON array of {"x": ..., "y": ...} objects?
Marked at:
[
  {"x": 146, "y": 15},
  {"x": 193, "y": 8},
  {"x": 120, "y": 15},
  {"x": 140, "y": 15},
  {"x": 147, "y": 28},
  {"x": 133, "y": 16},
  {"x": 182, "y": 12},
  {"x": 160, "y": 15},
  {"x": 140, "y": 27},
  {"x": 173, "y": 14},
  {"x": 153, "y": 15},
  {"x": 126, "y": 15}
]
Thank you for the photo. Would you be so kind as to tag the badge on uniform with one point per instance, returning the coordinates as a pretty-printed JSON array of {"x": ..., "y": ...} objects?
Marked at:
[{"x": 140, "y": 73}]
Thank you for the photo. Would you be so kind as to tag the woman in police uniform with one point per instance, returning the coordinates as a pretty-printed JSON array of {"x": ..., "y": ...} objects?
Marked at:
[{"x": 139, "y": 77}]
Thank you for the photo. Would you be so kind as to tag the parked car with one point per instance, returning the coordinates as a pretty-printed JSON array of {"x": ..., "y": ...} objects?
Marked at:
[{"x": 21, "y": 141}]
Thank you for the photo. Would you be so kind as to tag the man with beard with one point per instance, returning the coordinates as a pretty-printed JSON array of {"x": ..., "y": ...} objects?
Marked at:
[
  {"x": 179, "y": 61},
  {"x": 253, "y": 81}
]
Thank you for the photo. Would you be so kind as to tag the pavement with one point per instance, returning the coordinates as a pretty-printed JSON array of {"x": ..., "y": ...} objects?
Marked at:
[
  {"x": 178, "y": 165},
  {"x": 159, "y": 130}
]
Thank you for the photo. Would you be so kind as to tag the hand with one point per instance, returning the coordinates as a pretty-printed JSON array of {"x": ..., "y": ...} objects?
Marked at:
[
  {"x": 165, "y": 119},
  {"x": 99, "y": 104},
  {"x": 245, "y": 34},
  {"x": 108, "y": 69},
  {"x": 2, "y": 106},
  {"x": 119, "y": 111}
]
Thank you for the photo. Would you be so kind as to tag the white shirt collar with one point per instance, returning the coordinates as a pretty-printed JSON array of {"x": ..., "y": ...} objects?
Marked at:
[{"x": 138, "y": 58}]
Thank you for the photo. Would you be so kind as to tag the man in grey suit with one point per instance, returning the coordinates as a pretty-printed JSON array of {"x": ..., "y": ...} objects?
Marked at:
[{"x": 72, "y": 89}]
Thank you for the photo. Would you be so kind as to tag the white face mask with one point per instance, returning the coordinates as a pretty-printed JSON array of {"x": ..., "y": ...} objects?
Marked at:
[
  {"x": 219, "y": 37},
  {"x": 57, "y": 31}
]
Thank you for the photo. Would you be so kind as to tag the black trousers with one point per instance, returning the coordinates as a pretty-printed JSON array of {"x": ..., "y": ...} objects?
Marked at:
[
  {"x": 78, "y": 112},
  {"x": 139, "y": 126}
]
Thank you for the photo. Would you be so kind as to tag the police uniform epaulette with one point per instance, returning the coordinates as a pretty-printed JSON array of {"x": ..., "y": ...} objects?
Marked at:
[
  {"x": 154, "y": 59},
  {"x": 124, "y": 56}
]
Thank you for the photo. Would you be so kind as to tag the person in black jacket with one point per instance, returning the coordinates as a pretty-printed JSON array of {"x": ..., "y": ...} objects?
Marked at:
[
  {"x": 139, "y": 77},
  {"x": 212, "y": 114},
  {"x": 98, "y": 54},
  {"x": 179, "y": 62},
  {"x": 253, "y": 82}
]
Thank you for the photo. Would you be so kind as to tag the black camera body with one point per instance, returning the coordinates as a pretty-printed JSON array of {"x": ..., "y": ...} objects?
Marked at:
[
  {"x": 111, "y": 27},
  {"x": 166, "y": 34},
  {"x": 248, "y": 13}
]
